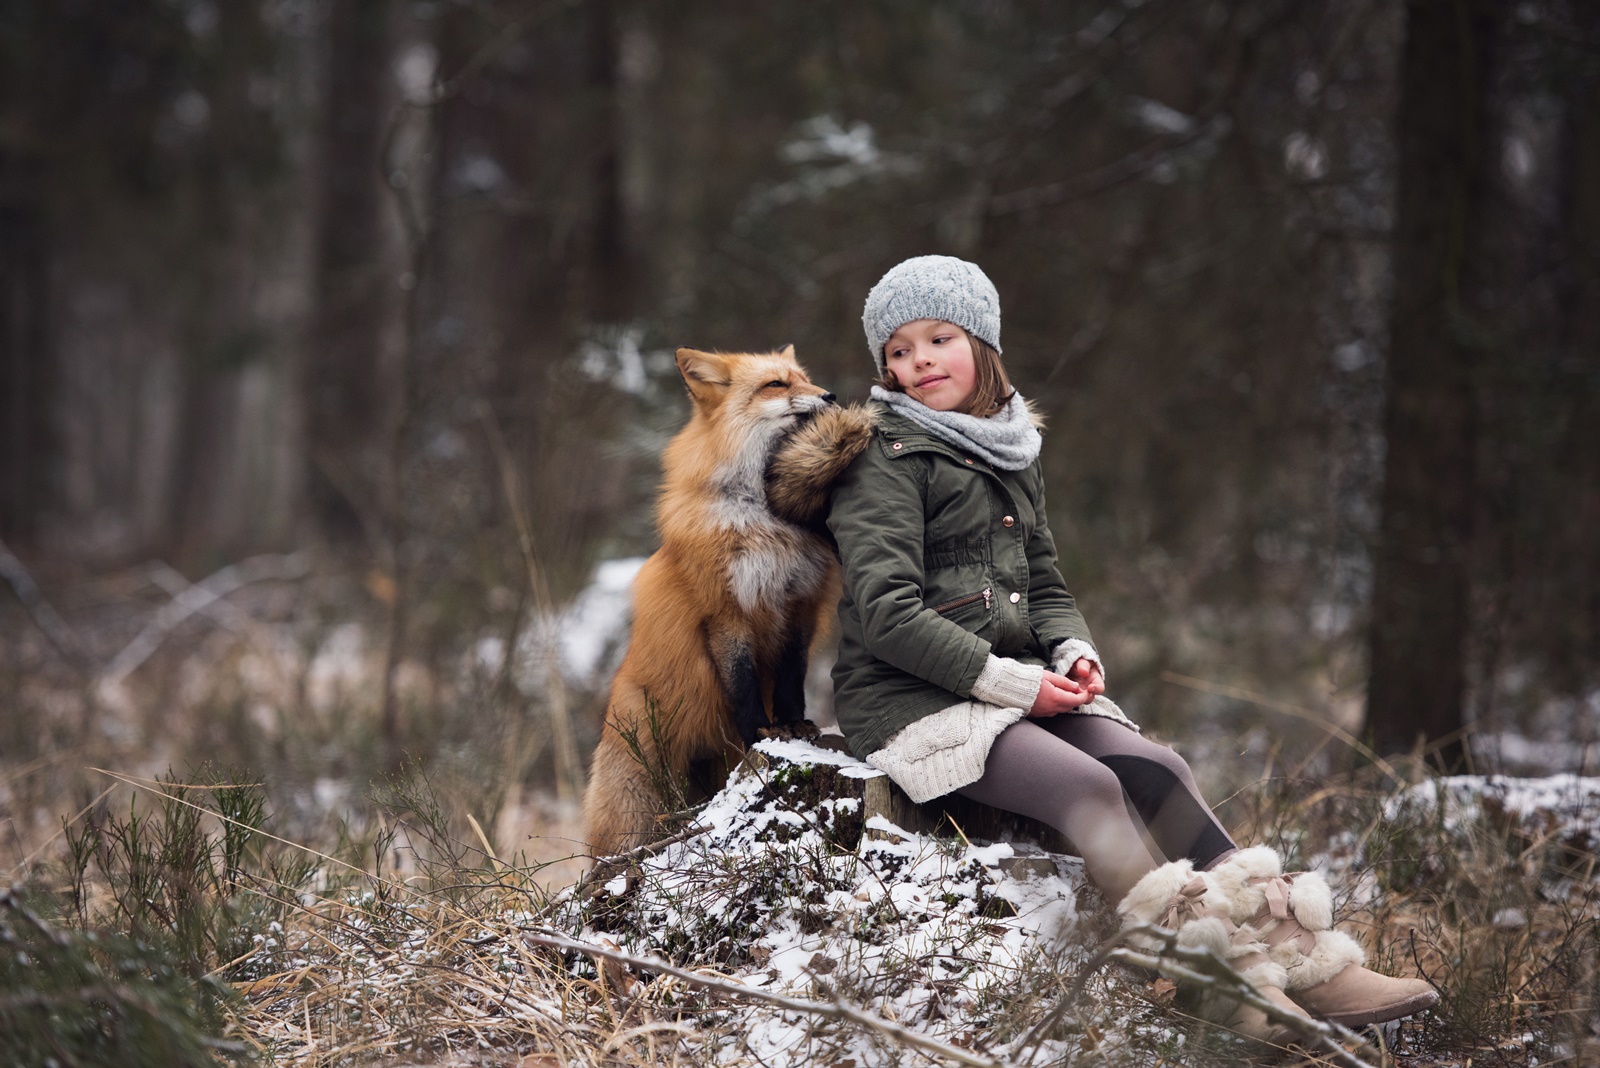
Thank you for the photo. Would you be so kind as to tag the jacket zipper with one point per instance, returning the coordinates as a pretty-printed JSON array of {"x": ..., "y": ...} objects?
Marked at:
[{"x": 960, "y": 602}]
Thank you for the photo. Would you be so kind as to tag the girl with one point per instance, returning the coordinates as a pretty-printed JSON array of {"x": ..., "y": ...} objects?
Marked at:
[{"x": 964, "y": 663}]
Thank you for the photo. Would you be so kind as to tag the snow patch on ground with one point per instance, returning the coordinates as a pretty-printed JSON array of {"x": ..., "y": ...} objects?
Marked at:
[
  {"x": 594, "y": 627},
  {"x": 581, "y": 643},
  {"x": 1569, "y": 802}
]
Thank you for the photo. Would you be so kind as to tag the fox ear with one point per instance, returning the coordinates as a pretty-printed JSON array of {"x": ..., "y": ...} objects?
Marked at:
[
  {"x": 705, "y": 373},
  {"x": 787, "y": 352}
]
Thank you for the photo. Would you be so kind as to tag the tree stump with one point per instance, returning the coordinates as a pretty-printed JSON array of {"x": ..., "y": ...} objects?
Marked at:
[{"x": 826, "y": 769}]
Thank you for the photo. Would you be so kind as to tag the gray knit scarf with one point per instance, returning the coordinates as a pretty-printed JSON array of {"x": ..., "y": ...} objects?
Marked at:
[{"x": 1007, "y": 439}]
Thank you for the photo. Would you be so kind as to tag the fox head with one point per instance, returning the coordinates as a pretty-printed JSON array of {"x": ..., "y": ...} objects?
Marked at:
[
  {"x": 744, "y": 403},
  {"x": 745, "y": 393}
]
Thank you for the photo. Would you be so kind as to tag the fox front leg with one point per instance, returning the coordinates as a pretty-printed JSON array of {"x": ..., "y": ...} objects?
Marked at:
[
  {"x": 789, "y": 679},
  {"x": 736, "y": 669}
]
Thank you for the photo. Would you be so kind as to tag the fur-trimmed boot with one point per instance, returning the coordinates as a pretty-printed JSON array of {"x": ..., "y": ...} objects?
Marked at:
[
  {"x": 1323, "y": 968},
  {"x": 1185, "y": 901}
]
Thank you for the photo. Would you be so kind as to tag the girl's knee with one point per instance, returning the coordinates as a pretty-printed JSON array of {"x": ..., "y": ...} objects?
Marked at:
[
  {"x": 1099, "y": 785},
  {"x": 1164, "y": 755}
]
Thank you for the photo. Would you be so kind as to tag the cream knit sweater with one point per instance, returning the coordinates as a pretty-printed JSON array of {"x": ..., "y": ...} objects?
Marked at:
[{"x": 947, "y": 750}]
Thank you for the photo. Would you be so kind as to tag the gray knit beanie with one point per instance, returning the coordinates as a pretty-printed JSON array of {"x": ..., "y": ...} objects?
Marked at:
[{"x": 932, "y": 287}]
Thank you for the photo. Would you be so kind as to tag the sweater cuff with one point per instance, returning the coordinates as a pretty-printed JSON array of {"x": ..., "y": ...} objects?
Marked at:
[
  {"x": 1070, "y": 652},
  {"x": 1008, "y": 683}
]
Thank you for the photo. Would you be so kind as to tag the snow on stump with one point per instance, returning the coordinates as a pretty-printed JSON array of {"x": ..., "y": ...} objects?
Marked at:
[
  {"x": 793, "y": 876},
  {"x": 827, "y": 770}
]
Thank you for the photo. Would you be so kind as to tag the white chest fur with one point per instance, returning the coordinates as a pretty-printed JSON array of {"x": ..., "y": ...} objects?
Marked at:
[
  {"x": 767, "y": 571},
  {"x": 772, "y": 561}
]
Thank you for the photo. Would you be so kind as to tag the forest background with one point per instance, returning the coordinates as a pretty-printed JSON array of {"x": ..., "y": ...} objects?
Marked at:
[{"x": 365, "y": 310}]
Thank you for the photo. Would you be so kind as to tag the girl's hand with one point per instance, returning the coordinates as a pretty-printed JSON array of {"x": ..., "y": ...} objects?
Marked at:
[
  {"x": 1058, "y": 694},
  {"x": 1087, "y": 674}
]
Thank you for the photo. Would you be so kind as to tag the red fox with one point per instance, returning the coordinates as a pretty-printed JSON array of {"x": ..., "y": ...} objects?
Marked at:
[{"x": 725, "y": 612}]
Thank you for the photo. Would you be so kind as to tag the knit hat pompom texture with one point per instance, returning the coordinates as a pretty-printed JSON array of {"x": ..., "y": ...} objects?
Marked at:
[{"x": 932, "y": 287}]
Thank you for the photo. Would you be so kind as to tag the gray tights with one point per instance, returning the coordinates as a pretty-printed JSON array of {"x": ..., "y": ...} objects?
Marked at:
[{"x": 1126, "y": 803}]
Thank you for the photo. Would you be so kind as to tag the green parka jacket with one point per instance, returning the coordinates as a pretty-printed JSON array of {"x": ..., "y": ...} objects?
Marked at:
[{"x": 946, "y": 560}]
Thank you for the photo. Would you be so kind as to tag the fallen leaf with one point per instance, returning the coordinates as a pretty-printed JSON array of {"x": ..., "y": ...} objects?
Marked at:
[{"x": 822, "y": 964}]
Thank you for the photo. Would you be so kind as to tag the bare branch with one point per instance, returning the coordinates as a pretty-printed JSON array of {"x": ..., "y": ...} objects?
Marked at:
[
  {"x": 836, "y": 1009},
  {"x": 42, "y": 612},
  {"x": 200, "y": 597},
  {"x": 607, "y": 868}
]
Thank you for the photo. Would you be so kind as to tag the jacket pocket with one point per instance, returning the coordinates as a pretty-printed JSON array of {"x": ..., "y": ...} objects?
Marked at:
[
  {"x": 966, "y": 604},
  {"x": 963, "y": 592},
  {"x": 985, "y": 595}
]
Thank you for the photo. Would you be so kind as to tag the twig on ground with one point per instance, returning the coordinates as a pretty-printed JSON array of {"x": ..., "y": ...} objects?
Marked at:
[
  {"x": 836, "y": 1009},
  {"x": 607, "y": 868}
]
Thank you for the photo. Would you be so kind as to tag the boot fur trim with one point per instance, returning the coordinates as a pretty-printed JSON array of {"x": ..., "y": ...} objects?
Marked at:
[
  {"x": 1233, "y": 878},
  {"x": 1335, "y": 951},
  {"x": 1147, "y": 901},
  {"x": 1245, "y": 877},
  {"x": 1176, "y": 897},
  {"x": 1311, "y": 901},
  {"x": 1152, "y": 898},
  {"x": 1175, "y": 889},
  {"x": 1263, "y": 973},
  {"x": 1303, "y": 898},
  {"x": 1207, "y": 932}
]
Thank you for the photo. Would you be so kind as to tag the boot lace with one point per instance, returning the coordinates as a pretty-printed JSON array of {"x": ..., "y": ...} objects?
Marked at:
[
  {"x": 1186, "y": 904},
  {"x": 1276, "y": 923}
]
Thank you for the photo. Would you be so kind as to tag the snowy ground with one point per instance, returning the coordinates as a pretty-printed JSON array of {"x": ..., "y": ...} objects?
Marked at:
[
  {"x": 980, "y": 949},
  {"x": 971, "y": 945}
]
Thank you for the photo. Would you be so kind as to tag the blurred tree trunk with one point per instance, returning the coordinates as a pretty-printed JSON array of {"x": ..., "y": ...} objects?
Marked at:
[
  {"x": 679, "y": 144},
  {"x": 350, "y": 393},
  {"x": 535, "y": 259},
  {"x": 235, "y": 472},
  {"x": 25, "y": 369},
  {"x": 1420, "y": 603},
  {"x": 147, "y": 265},
  {"x": 1579, "y": 346},
  {"x": 610, "y": 270}
]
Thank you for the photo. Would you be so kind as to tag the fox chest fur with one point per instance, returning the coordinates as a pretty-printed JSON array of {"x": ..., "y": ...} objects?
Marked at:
[{"x": 725, "y": 533}]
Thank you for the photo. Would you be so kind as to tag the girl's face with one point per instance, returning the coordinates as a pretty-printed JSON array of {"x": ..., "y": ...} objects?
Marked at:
[{"x": 932, "y": 361}]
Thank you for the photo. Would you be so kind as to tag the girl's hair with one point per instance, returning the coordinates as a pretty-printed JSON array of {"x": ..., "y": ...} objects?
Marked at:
[{"x": 991, "y": 389}]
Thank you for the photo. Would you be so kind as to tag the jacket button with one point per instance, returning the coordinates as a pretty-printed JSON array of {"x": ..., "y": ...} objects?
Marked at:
[
  {"x": 1008, "y": 521},
  {"x": 1015, "y": 597},
  {"x": 897, "y": 446}
]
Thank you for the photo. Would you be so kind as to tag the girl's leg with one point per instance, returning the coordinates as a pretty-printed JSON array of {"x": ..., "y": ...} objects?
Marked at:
[
  {"x": 1158, "y": 782},
  {"x": 1033, "y": 772}
]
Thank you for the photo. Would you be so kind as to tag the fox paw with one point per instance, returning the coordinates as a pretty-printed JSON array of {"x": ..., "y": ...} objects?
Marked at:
[{"x": 803, "y": 730}]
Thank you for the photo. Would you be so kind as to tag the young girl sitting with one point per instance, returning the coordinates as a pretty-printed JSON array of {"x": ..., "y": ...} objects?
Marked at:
[{"x": 964, "y": 663}]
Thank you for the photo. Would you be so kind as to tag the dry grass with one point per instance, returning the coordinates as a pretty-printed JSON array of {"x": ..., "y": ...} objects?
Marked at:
[
  {"x": 455, "y": 953},
  {"x": 316, "y": 907}
]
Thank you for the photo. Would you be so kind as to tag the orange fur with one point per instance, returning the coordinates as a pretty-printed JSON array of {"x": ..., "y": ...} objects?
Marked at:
[{"x": 725, "y": 611}]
